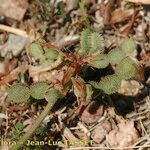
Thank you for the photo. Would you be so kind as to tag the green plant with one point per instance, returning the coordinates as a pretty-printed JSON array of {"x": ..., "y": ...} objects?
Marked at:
[
  {"x": 90, "y": 54},
  {"x": 17, "y": 133},
  {"x": 45, "y": 56}
]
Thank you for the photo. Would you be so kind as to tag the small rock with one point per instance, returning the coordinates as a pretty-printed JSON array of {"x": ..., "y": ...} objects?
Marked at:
[
  {"x": 92, "y": 113},
  {"x": 14, "y": 9},
  {"x": 15, "y": 44},
  {"x": 130, "y": 88},
  {"x": 123, "y": 136},
  {"x": 2, "y": 68},
  {"x": 99, "y": 20},
  {"x": 71, "y": 4},
  {"x": 100, "y": 132},
  {"x": 140, "y": 31}
]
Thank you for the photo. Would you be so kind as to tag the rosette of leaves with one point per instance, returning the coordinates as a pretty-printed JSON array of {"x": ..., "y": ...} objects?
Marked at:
[{"x": 18, "y": 93}]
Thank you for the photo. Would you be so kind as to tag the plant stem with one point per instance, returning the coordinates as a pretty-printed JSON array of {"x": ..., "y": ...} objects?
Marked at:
[{"x": 34, "y": 127}]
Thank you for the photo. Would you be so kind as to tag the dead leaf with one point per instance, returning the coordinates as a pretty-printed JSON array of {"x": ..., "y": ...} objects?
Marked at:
[
  {"x": 139, "y": 1},
  {"x": 7, "y": 66},
  {"x": 3, "y": 116},
  {"x": 69, "y": 73},
  {"x": 123, "y": 136},
  {"x": 13, "y": 75},
  {"x": 120, "y": 15},
  {"x": 107, "y": 10},
  {"x": 79, "y": 89},
  {"x": 71, "y": 4},
  {"x": 28, "y": 124},
  {"x": 34, "y": 71},
  {"x": 2, "y": 69},
  {"x": 16, "y": 108},
  {"x": 53, "y": 77}
]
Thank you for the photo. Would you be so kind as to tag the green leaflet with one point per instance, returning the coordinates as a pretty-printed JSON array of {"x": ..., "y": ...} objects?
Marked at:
[
  {"x": 101, "y": 61},
  {"x": 96, "y": 42},
  {"x": 52, "y": 95},
  {"x": 51, "y": 53},
  {"x": 84, "y": 42},
  {"x": 115, "y": 56},
  {"x": 18, "y": 93},
  {"x": 91, "y": 42},
  {"x": 46, "y": 56},
  {"x": 126, "y": 68},
  {"x": 49, "y": 57},
  {"x": 46, "y": 62},
  {"x": 128, "y": 46},
  {"x": 38, "y": 90},
  {"x": 109, "y": 84},
  {"x": 36, "y": 51}
]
